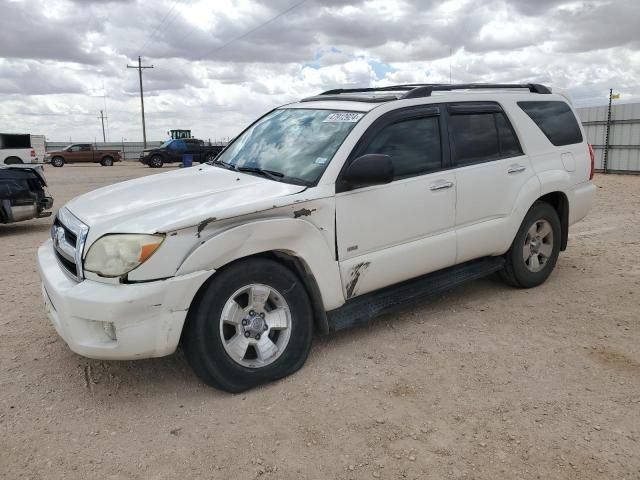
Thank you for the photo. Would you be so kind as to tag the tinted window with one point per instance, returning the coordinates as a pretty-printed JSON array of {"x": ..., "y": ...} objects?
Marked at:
[
  {"x": 414, "y": 146},
  {"x": 509, "y": 146},
  {"x": 475, "y": 138},
  {"x": 556, "y": 120},
  {"x": 482, "y": 137}
]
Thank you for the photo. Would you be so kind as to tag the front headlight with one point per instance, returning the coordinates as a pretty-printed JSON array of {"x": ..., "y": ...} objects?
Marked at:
[{"x": 117, "y": 254}]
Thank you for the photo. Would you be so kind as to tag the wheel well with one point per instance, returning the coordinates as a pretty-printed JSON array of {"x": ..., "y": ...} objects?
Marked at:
[
  {"x": 299, "y": 268},
  {"x": 13, "y": 160},
  {"x": 560, "y": 202}
]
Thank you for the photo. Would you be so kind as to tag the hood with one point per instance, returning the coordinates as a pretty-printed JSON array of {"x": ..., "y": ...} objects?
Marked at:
[{"x": 178, "y": 199}]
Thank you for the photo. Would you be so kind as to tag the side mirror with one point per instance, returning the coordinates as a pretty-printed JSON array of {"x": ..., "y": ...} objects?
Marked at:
[{"x": 370, "y": 169}]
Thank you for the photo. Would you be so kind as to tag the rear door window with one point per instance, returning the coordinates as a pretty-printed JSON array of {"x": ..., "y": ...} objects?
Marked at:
[
  {"x": 556, "y": 120},
  {"x": 482, "y": 137}
]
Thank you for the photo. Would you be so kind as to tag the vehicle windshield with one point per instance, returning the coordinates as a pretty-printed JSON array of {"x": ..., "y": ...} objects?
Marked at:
[
  {"x": 294, "y": 144},
  {"x": 166, "y": 144}
]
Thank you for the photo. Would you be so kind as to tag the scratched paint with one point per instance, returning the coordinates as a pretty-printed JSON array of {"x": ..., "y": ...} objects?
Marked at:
[
  {"x": 354, "y": 276},
  {"x": 303, "y": 212},
  {"x": 203, "y": 224}
]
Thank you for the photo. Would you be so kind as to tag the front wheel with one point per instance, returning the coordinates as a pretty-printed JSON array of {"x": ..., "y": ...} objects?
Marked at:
[
  {"x": 534, "y": 252},
  {"x": 155, "y": 161},
  {"x": 251, "y": 324},
  {"x": 57, "y": 161}
]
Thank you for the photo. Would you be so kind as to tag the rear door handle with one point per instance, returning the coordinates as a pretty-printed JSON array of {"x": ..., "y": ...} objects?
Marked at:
[
  {"x": 440, "y": 186},
  {"x": 516, "y": 169}
]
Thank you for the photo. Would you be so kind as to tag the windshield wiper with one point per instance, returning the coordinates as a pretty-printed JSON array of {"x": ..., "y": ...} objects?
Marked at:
[
  {"x": 272, "y": 174},
  {"x": 226, "y": 165}
]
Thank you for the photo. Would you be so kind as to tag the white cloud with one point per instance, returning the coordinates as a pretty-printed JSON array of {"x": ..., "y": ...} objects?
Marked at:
[{"x": 58, "y": 57}]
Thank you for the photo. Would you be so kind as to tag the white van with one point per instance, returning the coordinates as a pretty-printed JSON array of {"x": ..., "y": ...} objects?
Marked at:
[{"x": 16, "y": 148}]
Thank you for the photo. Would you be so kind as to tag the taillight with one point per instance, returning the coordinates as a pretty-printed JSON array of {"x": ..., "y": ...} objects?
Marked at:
[
  {"x": 33, "y": 152},
  {"x": 593, "y": 161}
]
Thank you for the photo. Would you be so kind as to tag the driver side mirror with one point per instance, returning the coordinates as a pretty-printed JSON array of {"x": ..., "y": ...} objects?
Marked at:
[{"x": 370, "y": 169}]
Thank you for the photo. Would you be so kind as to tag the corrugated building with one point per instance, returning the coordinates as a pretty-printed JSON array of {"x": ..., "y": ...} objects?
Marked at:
[{"x": 624, "y": 136}]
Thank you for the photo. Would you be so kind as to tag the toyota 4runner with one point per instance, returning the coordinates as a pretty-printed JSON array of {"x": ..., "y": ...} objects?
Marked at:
[{"x": 320, "y": 215}]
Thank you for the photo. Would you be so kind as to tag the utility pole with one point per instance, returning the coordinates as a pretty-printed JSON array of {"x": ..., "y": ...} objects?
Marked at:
[
  {"x": 102, "y": 117},
  {"x": 605, "y": 162},
  {"x": 140, "y": 67}
]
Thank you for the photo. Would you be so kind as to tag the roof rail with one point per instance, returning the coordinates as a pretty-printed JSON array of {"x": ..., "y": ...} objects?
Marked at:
[
  {"x": 426, "y": 90},
  {"x": 417, "y": 91}
]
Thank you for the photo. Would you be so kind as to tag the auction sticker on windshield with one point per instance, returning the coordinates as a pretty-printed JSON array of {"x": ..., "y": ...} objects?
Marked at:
[{"x": 349, "y": 117}]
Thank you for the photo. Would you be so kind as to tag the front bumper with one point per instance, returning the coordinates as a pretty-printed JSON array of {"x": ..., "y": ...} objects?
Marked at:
[{"x": 116, "y": 321}]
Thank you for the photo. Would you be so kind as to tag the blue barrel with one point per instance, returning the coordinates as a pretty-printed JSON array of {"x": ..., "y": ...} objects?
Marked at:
[{"x": 187, "y": 160}]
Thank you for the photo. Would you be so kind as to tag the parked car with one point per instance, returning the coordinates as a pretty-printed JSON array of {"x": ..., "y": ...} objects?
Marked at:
[
  {"x": 16, "y": 149},
  {"x": 23, "y": 194},
  {"x": 322, "y": 214},
  {"x": 83, "y": 153},
  {"x": 172, "y": 151}
]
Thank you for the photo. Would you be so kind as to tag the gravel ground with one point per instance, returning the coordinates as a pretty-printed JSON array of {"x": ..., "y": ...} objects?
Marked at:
[{"x": 485, "y": 382}]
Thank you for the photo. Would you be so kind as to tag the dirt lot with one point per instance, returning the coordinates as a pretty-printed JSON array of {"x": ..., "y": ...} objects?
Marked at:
[{"x": 486, "y": 382}]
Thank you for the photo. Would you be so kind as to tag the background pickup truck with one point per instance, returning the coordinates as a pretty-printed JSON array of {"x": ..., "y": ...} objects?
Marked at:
[
  {"x": 173, "y": 150},
  {"x": 83, "y": 153}
]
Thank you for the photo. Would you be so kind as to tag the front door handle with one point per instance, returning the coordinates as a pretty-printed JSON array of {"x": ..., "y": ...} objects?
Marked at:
[
  {"x": 440, "y": 186},
  {"x": 516, "y": 168}
]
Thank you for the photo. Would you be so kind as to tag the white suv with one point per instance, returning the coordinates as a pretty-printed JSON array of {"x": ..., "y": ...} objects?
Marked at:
[{"x": 321, "y": 214}]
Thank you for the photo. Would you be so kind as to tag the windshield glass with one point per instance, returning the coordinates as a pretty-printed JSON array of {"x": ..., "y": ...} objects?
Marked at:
[
  {"x": 166, "y": 144},
  {"x": 296, "y": 144}
]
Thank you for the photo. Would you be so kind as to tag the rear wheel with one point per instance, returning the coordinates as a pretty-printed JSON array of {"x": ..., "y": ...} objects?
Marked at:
[
  {"x": 57, "y": 161},
  {"x": 155, "y": 161},
  {"x": 13, "y": 161},
  {"x": 534, "y": 252},
  {"x": 106, "y": 162},
  {"x": 252, "y": 324}
]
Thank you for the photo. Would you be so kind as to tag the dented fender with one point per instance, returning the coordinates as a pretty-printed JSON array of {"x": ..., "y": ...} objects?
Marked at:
[{"x": 294, "y": 236}]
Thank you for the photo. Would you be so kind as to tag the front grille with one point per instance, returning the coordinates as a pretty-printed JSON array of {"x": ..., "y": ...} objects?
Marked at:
[{"x": 69, "y": 234}]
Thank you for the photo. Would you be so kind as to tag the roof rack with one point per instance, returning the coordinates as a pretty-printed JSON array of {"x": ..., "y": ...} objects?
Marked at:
[{"x": 416, "y": 91}]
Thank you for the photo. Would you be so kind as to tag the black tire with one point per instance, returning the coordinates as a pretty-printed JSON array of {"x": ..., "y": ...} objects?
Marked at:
[
  {"x": 202, "y": 340},
  {"x": 516, "y": 272},
  {"x": 156, "y": 161},
  {"x": 13, "y": 161},
  {"x": 107, "y": 162},
  {"x": 57, "y": 161}
]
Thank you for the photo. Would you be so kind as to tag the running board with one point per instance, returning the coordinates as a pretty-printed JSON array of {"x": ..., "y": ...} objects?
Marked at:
[{"x": 360, "y": 310}]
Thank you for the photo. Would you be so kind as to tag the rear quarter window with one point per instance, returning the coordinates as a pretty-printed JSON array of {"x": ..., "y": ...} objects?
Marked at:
[{"x": 556, "y": 120}]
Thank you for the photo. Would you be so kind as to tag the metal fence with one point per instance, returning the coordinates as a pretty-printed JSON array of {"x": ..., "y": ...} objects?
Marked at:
[
  {"x": 130, "y": 150},
  {"x": 623, "y": 155}
]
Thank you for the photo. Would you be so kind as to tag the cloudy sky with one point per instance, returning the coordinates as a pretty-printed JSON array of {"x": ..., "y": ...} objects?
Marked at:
[{"x": 220, "y": 64}]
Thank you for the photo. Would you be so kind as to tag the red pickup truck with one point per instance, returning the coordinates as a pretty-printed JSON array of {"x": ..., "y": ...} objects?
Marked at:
[{"x": 83, "y": 153}]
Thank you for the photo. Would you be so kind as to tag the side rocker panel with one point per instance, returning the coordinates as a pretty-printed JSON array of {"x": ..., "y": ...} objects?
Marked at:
[{"x": 293, "y": 236}]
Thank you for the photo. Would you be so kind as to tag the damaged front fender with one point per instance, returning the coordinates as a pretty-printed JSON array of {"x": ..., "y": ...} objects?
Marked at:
[{"x": 293, "y": 236}]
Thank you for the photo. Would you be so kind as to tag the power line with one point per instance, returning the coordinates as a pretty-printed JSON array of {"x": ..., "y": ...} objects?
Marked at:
[
  {"x": 157, "y": 29},
  {"x": 258, "y": 27},
  {"x": 140, "y": 67}
]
